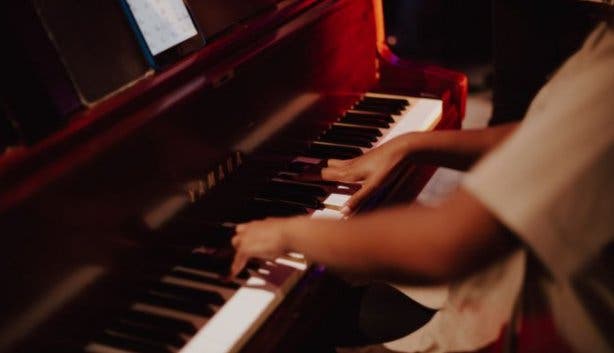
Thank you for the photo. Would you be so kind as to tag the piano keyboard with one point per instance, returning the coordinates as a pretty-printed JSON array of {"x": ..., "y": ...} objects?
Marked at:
[{"x": 193, "y": 308}]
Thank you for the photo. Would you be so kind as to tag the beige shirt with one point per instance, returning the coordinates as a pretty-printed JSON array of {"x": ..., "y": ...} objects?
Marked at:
[
  {"x": 474, "y": 313},
  {"x": 552, "y": 183}
]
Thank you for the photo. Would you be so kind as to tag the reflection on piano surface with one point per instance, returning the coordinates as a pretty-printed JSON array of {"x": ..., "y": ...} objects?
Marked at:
[{"x": 118, "y": 226}]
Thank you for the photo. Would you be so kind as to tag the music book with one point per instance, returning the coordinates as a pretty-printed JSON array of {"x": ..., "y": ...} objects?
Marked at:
[{"x": 95, "y": 43}]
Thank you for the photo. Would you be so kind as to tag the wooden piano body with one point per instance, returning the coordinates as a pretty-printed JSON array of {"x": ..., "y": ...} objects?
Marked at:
[{"x": 76, "y": 208}]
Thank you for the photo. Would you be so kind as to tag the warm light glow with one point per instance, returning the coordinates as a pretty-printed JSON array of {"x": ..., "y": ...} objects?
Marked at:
[{"x": 380, "y": 33}]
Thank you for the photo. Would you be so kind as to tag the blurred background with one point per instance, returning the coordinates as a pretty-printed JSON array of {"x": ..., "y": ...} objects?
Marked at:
[
  {"x": 452, "y": 33},
  {"x": 509, "y": 48}
]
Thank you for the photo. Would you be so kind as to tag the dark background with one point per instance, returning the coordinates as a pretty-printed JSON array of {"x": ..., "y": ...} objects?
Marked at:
[
  {"x": 509, "y": 47},
  {"x": 453, "y": 33}
]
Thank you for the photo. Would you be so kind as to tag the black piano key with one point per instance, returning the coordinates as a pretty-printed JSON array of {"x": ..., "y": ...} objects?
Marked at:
[
  {"x": 346, "y": 140},
  {"x": 147, "y": 333},
  {"x": 222, "y": 269},
  {"x": 309, "y": 189},
  {"x": 306, "y": 196},
  {"x": 299, "y": 167},
  {"x": 168, "y": 302},
  {"x": 401, "y": 103},
  {"x": 330, "y": 186},
  {"x": 255, "y": 209},
  {"x": 328, "y": 151},
  {"x": 244, "y": 274},
  {"x": 191, "y": 229},
  {"x": 196, "y": 295},
  {"x": 380, "y": 108},
  {"x": 311, "y": 171},
  {"x": 219, "y": 238},
  {"x": 334, "y": 131},
  {"x": 167, "y": 324},
  {"x": 205, "y": 279},
  {"x": 372, "y": 134},
  {"x": 323, "y": 186},
  {"x": 206, "y": 227},
  {"x": 379, "y": 102},
  {"x": 268, "y": 208},
  {"x": 372, "y": 115},
  {"x": 364, "y": 121},
  {"x": 296, "y": 199},
  {"x": 323, "y": 153},
  {"x": 130, "y": 344},
  {"x": 358, "y": 130},
  {"x": 207, "y": 263}
]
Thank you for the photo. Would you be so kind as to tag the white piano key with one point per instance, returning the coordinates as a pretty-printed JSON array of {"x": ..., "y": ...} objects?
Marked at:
[
  {"x": 421, "y": 115},
  {"x": 234, "y": 323},
  {"x": 264, "y": 271},
  {"x": 290, "y": 263},
  {"x": 296, "y": 255},
  {"x": 257, "y": 281},
  {"x": 336, "y": 201},
  {"x": 327, "y": 213},
  {"x": 207, "y": 346}
]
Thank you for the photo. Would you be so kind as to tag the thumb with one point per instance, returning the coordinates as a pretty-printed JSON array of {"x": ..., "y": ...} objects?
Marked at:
[
  {"x": 334, "y": 173},
  {"x": 238, "y": 264},
  {"x": 367, "y": 188},
  {"x": 359, "y": 196}
]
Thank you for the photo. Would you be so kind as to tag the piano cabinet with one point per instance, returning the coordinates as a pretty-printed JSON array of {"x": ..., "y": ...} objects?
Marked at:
[{"x": 83, "y": 212}]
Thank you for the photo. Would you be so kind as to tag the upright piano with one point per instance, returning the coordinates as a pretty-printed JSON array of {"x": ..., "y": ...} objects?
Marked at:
[{"x": 116, "y": 223}]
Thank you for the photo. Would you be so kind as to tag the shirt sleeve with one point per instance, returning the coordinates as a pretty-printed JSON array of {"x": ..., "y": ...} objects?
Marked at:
[{"x": 552, "y": 181}]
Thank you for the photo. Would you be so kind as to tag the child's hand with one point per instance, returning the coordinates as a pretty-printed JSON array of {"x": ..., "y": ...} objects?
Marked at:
[
  {"x": 262, "y": 239},
  {"x": 370, "y": 169}
]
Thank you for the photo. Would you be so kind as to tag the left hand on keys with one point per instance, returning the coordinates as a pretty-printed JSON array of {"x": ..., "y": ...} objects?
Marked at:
[{"x": 264, "y": 239}]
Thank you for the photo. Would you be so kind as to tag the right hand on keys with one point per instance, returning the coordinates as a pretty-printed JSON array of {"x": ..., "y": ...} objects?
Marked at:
[{"x": 369, "y": 169}]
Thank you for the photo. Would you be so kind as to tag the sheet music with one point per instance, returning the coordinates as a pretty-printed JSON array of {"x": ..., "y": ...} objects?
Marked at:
[{"x": 164, "y": 23}]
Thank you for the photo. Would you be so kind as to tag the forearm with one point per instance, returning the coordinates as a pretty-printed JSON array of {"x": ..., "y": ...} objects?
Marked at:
[
  {"x": 406, "y": 243},
  {"x": 453, "y": 148},
  {"x": 370, "y": 245}
]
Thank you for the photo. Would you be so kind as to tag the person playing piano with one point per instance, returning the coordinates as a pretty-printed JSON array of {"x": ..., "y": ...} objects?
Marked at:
[{"x": 544, "y": 185}]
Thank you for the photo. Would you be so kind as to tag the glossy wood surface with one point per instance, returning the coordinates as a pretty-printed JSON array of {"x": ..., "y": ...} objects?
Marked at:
[{"x": 72, "y": 207}]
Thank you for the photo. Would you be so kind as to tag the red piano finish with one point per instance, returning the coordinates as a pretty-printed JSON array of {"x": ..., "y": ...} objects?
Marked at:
[{"x": 75, "y": 198}]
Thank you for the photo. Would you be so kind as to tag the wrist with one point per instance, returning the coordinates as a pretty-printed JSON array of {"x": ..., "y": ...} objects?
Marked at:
[
  {"x": 289, "y": 231},
  {"x": 406, "y": 144}
]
